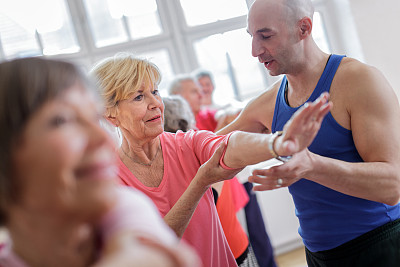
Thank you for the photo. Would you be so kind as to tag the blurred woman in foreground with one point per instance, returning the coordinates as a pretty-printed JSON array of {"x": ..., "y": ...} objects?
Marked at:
[{"x": 58, "y": 196}]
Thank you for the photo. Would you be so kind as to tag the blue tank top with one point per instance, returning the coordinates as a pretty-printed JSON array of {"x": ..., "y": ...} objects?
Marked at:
[{"x": 329, "y": 218}]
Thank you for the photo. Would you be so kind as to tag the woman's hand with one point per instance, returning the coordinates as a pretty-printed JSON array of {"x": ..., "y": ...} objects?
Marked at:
[
  {"x": 300, "y": 130},
  {"x": 212, "y": 172}
]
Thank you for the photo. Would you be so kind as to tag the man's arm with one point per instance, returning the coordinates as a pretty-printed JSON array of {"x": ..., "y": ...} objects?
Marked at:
[
  {"x": 257, "y": 116},
  {"x": 365, "y": 103}
]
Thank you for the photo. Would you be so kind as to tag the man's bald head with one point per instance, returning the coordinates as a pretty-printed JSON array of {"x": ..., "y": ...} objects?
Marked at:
[{"x": 292, "y": 10}]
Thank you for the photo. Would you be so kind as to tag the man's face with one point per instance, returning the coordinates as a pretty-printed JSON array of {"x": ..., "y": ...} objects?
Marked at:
[
  {"x": 273, "y": 38},
  {"x": 192, "y": 93},
  {"x": 207, "y": 89}
]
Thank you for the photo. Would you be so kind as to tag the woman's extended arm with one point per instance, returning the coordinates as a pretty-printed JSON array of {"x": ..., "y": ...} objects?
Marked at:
[{"x": 250, "y": 148}]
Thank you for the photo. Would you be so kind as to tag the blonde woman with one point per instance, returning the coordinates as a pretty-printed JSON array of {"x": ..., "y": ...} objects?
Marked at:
[{"x": 163, "y": 165}]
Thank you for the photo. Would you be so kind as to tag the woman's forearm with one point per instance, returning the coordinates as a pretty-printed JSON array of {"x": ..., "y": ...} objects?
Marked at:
[
  {"x": 247, "y": 149},
  {"x": 181, "y": 213}
]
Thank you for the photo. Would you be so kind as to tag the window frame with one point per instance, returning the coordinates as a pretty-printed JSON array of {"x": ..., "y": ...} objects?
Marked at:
[{"x": 177, "y": 37}]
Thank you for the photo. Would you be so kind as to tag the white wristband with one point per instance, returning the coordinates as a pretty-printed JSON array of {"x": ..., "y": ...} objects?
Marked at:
[{"x": 271, "y": 143}]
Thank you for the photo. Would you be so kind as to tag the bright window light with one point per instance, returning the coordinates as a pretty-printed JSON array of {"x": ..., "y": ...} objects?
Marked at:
[
  {"x": 207, "y": 11},
  {"x": 34, "y": 30}
]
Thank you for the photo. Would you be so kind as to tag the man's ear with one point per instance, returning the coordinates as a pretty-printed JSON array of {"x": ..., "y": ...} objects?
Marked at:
[
  {"x": 113, "y": 120},
  {"x": 305, "y": 27}
]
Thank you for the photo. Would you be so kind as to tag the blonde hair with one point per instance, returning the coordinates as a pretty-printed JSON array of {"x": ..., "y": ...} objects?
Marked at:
[{"x": 122, "y": 75}]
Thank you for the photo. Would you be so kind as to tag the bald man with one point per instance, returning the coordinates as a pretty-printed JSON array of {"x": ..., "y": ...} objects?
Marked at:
[{"x": 346, "y": 185}]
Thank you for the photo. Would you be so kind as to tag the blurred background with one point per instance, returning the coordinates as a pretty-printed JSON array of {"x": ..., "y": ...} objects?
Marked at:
[{"x": 183, "y": 35}]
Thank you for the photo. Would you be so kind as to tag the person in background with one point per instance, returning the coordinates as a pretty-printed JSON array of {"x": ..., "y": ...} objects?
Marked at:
[
  {"x": 186, "y": 86},
  {"x": 210, "y": 111},
  {"x": 229, "y": 195},
  {"x": 206, "y": 82},
  {"x": 162, "y": 165},
  {"x": 256, "y": 230},
  {"x": 346, "y": 185},
  {"x": 59, "y": 200}
]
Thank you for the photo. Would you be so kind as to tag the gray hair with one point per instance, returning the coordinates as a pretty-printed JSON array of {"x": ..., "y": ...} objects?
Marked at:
[
  {"x": 200, "y": 73},
  {"x": 177, "y": 114},
  {"x": 175, "y": 86}
]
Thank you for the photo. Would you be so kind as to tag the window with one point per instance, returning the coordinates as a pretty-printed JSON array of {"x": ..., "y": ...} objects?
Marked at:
[
  {"x": 34, "y": 30},
  {"x": 179, "y": 36},
  {"x": 162, "y": 60},
  {"x": 117, "y": 21},
  {"x": 228, "y": 56},
  {"x": 319, "y": 33},
  {"x": 207, "y": 11}
]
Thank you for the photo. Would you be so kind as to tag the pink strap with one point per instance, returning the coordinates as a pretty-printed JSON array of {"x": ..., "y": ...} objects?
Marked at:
[{"x": 221, "y": 160}]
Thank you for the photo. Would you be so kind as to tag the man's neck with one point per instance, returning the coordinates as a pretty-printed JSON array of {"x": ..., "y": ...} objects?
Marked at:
[{"x": 302, "y": 83}]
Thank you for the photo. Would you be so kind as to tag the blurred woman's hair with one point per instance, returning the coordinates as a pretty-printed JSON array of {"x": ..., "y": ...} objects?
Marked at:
[{"x": 25, "y": 86}]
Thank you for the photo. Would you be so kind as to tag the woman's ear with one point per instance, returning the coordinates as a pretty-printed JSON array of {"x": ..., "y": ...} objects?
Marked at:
[{"x": 113, "y": 120}]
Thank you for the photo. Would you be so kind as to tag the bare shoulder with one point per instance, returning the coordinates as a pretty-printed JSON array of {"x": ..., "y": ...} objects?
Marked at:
[
  {"x": 356, "y": 73},
  {"x": 361, "y": 80},
  {"x": 258, "y": 113},
  {"x": 358, "y": 86},
  {"x": 261, "y": 108}
]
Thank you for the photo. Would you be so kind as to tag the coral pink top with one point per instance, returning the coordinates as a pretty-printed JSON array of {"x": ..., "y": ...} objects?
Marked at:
[
  {"x": 205, "y": 120},
  {"x": 183, "y": 155}
]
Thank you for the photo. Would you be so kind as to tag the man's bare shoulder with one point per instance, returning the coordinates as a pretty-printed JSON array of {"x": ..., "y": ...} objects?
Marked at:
[
  {"x": 352, "y": 69},
  {"x": 358, "y": 87},
  {"x": 257, "y": 115},
  {"x": 266, "y": 96},
  {"x": 355, "y": 77},
  {"x": 265, "y": 100},
  {"x": 261, "y": 108}
]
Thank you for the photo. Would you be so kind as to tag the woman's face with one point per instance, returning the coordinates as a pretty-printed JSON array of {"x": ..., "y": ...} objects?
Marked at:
[
  {"x": 142, "y": 115},
  {"x": 64, "y": 162}
]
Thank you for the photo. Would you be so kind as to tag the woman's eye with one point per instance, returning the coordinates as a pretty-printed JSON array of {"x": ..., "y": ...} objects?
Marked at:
[
  {"x": 138, "y": 98},
  {"x": 156, "y": 92},
  {"x": 58, "y": 121}
]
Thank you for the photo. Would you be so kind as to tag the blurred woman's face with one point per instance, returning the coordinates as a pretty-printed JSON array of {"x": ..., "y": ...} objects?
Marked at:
[
  {"x": 142, "y": 115},
  {"x": 64, "y": 162}
]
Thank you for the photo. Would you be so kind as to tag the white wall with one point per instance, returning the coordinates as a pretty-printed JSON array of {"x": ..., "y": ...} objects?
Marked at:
[{"x": 378, "y": 27}]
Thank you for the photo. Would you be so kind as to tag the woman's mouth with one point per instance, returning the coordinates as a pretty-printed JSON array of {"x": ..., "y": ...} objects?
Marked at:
[
  {"x": 97, "y": 171},
  {"x": 155, "y": 118}
]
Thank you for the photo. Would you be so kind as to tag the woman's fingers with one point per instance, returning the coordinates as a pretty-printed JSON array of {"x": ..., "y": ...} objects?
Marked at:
[
  {"x": 217, "y": 154},
  {"x": 316, "y": 110}
]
